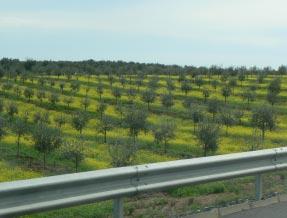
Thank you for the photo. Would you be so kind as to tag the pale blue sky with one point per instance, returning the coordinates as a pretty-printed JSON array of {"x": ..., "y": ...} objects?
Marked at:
[{"x": 191, "y": 32}]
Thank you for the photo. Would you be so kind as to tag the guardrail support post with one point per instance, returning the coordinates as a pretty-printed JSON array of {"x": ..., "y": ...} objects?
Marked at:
[
  {"x": 258, "y": 187},
  {"x": 118, "y": 208}
]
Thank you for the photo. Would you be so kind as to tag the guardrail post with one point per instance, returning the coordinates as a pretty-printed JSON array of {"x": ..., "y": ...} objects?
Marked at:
[
  {"x": 258, "y": 187},
  {"x": 118, "y": 210}
]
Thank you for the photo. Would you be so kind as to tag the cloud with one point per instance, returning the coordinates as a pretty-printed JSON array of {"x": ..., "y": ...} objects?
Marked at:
[
  {"x": 159, "y": 15},
  {"x": 250, "y": 24}
]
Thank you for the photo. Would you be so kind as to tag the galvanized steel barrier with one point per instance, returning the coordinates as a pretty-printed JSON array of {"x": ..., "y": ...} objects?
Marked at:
[{"x": 48, "y": 193}]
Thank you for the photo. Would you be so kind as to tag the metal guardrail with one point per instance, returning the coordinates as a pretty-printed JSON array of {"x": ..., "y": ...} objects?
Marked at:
[{"x": 48, "y": 193}]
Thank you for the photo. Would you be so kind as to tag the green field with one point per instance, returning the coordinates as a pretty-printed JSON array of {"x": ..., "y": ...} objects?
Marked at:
[{"x": 241, "y": 136}]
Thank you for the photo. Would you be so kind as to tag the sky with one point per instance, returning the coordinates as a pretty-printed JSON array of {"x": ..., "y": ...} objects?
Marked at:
[{"x": 183, "y": 32}]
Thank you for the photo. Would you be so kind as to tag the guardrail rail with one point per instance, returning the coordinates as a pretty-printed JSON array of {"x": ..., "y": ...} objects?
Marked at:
[{"x": 54, "y": 192}]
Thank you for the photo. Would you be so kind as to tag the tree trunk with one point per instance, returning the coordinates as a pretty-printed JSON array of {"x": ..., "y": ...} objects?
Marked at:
[
  {"x": 18, "y": 146},
  {"x": 44, "y": 160},
  {"x": 134, "y": 138},
  {"x": 205, "y": 150},
  {"x": 105, "y": 136},
  {"x": 76, "y": 162},
  {"x": 263, "y": 134}
]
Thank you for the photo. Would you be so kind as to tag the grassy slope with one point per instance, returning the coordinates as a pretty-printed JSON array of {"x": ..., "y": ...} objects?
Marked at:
[{"x": 238, "y": 139}]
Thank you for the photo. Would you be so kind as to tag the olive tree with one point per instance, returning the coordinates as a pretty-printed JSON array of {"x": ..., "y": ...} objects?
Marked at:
[
  {"x": 226, "y": 118},
  {"x": 196, "y": 114},
  {"x": 122, "y": 152},
  {"x": 101, "y": 108},
  {"x": 28, "y": 93},
  {"x": 41, "y": 81},
  {"x": 248, "y": 95},
  {"x": 123, "y": 80},
  {"x": 87, "y": 89},
  {"x": 74, "y": 150},
  {"x": 205, "y": 93},
  {"x": 274, "y": 89},
  {"x": 52, "y": 82},
  {"x": 164, "y": 132},
  {"x": 3, "y": 131},
  {"x": 2, "y": 105},
  {"x": 260, "y": 77},
  {"x": 46, "y": 140},
  {"x": 185, "y": 86},
  {"x": 226, "y": 92},
  {"x": 238, "y": 114},
  {"x": 62, "y": 86},
  {"x": 241, "y": 77},
  {"x": 131, "y": 93},
  {"x": 148, "y": 96},
  {"x": 11, "y": 109},
  {"x": 208, "y": 136},
  {"x": 68, "y": 100},
  {"x": 20, "y": 128},
  {"x": 7, "y": 86},
  {"x": 170, "y": 85},
  {"x": 153, "y": 83},
  {"x": 41, "y": 94},
  {"x": 232, "y": 83},
  {"x": 255, "y": 142},
  {"x": 214, "y": 83},
  {"x": 135, "y": 120},
  {"x": 224, "y": 77},
  {"x": 272, "y": 97},
  {"x": 17, "y": 91},
  {"x": 181, "y": 77},
  {"x": 60, "y": 120},
  {"x": 117, "y": 93},
  {"x": 111, "y": 79},
  {"x": 167, "y": 100},
  {"x": 53, "y": 98},
  {"x": 263, "y": 118},
  {"x": 105, "y": 125},
  {"x": 86, "y": 102},
  {"x": 275, "y": 86},
  {"x": 140, "y": 79},
  {"x": 80, "y": 121},
  {"x": 75, "y": 86},
  {"x": 213, "y": 107},
  {"x": 100, "y": 89},
  {"x": 120, "y": 109},
  {"x": 198, "y": 81},
  {"x": 41, "y": 117}
]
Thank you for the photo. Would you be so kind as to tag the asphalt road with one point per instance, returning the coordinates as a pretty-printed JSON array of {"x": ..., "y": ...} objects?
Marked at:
[{"x": 278, "y": 210}]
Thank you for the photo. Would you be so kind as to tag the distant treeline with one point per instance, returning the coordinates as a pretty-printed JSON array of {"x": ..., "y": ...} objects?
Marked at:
[{"x": 92, "y": 67}]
